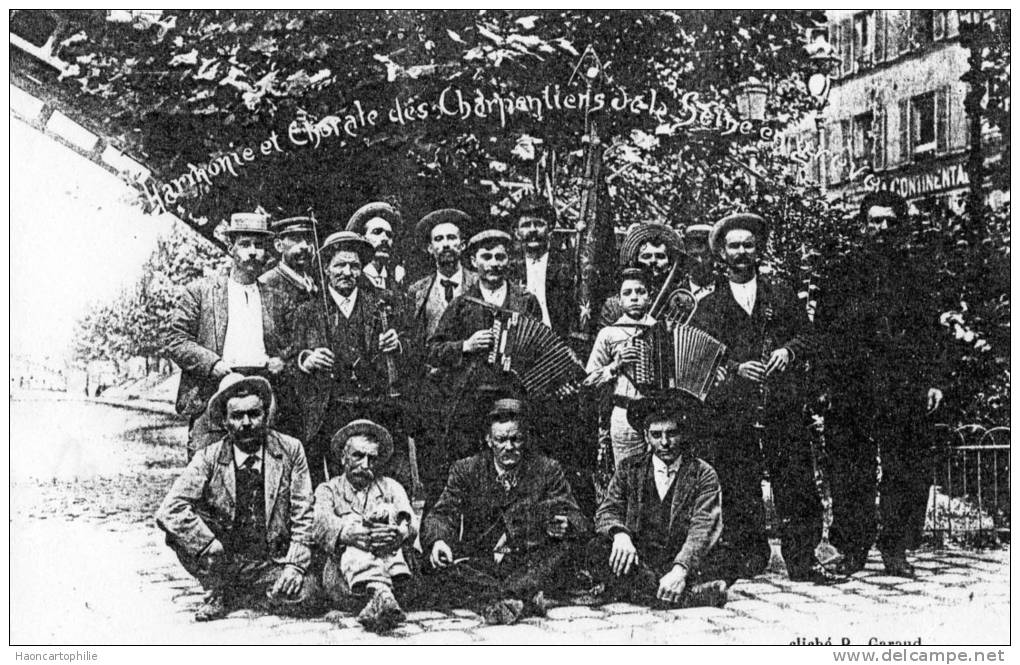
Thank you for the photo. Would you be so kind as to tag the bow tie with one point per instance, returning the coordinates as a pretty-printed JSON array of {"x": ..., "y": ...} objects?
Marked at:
[{"x": 448, "y": 286}]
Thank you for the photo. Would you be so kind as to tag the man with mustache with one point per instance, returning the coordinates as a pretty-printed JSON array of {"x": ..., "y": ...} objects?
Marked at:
[
  {"x": 239, "y": 517},
  {"x": 760, "y": 427},
  {"x": 377, "y": 222},
  {"x": 339, "y": 355},
  {"x": 654, "y": 248},
  {"x": 886, "y": 358},
  {"x": 541, "y": 269},
  {"x": 224, "y": 324},
  {"x": 363, "y": 522},
  {"x": 462, "y": 341},
  {"x": 701, "y": 276},
  {"x": 661, "y": 519},
  {"x": 504, "y": 526}
]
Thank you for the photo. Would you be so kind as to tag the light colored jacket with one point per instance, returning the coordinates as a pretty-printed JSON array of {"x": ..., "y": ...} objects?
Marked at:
[{"x": 201, "y": 504}]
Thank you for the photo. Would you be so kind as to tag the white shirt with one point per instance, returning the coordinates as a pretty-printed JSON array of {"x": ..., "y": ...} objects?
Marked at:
[
  {"x": 745, "y": 294},
  {"x": 346, "y": 305},
  {"x": 607, "y": 344},
  {"x": 536, "y": 270},
  {"x": 435, "y": 303},
  {"x": 380, "y": 278},
  {"x": 240, "y": 456},
  {"x": 497, "y": 297},
  {"x": 243, "y": 345},
  {"x": 664, "y": 474},
  {"x": 293, "y": 274}
]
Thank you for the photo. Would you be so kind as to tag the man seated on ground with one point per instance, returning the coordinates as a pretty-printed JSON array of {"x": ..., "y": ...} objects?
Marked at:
[
  {"x": 239, "y": 517},
  {"x": 662, "y": 516},
  {"x": 504, "y": 525},
  {"x": 362, "y": 522}
]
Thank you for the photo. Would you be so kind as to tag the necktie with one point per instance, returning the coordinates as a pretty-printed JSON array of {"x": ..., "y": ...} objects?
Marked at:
[
  {"x": 250, "y": 462},
  {"x": 448, "y": 286}
]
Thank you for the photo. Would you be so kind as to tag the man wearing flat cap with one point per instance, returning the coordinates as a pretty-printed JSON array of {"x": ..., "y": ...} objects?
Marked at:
[
  {"x": 378, "y": 222},
  {"x": 224, "y": 324},
  {"x": 654, "y": 247},
  {"x": 462, "y": 341},
  {"x": 504, "y": 527},
  {"x": 661, "y": 518},
  {"x": 363, "y": 522},
  {"x": 239, "y": 517},
  {"x": 341, "y": 357},
  {"x": 885, "y": 363},
  {"x": 760, "y": 430}
]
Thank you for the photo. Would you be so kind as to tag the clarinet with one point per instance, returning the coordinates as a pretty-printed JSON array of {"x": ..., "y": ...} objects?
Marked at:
[
  {"x": 392, "y": 378},
  {"x": 763, "y": 390}
]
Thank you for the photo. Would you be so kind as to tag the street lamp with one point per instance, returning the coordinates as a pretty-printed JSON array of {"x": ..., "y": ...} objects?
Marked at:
[
  {"x": 823, "y": 59},
  {"x": 751, "y": 96}
]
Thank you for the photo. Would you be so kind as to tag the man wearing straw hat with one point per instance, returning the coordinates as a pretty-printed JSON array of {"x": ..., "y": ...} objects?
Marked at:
[
  {"x": 654, "y": 247},
  {"x": 504, "y": 526},
  {"x": 363, "y": 522},
  {"x": 239, "y": 517},
  {"x": 224, "y": 324},
  {"x": 342, "y": 353},
  {"x": 377, "y": 222}
]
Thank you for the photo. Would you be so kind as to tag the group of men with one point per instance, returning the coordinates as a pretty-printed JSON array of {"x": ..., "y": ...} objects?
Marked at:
[{"x": 320, "y": 399}]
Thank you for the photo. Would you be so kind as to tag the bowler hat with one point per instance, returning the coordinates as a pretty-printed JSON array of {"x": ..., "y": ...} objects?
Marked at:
[
  {"x": 367, "y": 428},
  {"x": 459, "y": 218},
  {"x": 370, "y": 211},
  {"x": 293, "y": 225},
  {"x": 643, "y": 233},
  {"x": 235, "y": 383},
  {"x": 248, "y": 223},
  {"x": 486, "y": 238},
  {"x": 673, "y": 403},
  {"x": 741, "y": 220},
  {"x": 348, "y": 240}
]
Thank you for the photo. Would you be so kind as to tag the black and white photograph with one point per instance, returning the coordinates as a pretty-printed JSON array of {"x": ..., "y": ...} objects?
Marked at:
[{"x": 400, "y": 327}]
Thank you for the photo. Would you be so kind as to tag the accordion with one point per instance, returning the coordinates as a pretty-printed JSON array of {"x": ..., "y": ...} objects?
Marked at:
[
  {"x": 538, "y": 357},
  {"x": 684, "y": 358}
]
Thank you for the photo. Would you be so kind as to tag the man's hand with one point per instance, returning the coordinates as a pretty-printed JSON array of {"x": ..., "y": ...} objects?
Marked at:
[
  {"x": 623, "y": 555},
  {"x": 220, "y": 370},
  {"x": 442, "y": 555},
  {"x": 388, "y": 341},
  {"x": 481, "y": 340},
  {"x": 778, "y": 361},
  {"x": 556, "y": 526},
  {"x": 721, "y": 374},
  {"x": 275, "y": 366},
  {"x": 319, "y": 360},
  {"x": 752, "y": 370},
  {"x": 934, "y": 399},
  {"x": 288, "y": 584},
  {"x": 672, "y": 584},
  {"x": 384, "y": 539},
  {"x": 357, "y": 535}
]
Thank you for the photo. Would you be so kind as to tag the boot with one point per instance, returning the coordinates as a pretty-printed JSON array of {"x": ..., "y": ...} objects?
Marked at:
[
  {"x": 214, "y": 607},
  {"x": 382, "y": 613}
]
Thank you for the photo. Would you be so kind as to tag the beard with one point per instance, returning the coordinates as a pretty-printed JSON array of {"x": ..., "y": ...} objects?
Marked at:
[
  {"x": 248, "y": 439},
  {"x": 360, "y": 478},
  {"x": 448, "y": 257}
]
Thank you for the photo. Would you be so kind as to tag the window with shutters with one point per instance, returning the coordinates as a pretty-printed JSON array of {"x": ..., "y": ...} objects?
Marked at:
[
  {"x": 880, "y": 35},
  {"x": 902, "y": 31},
  {"x": 922, "y": 124},
  {"x": 846, "y": 150},
  {"x": 863, "y": 140},
  {"x": 942, "y": 109},
  {"x": 863, "y": 41},
  {"x": 906, "y": 149},
  {"x": 881, "y": 147},
  {"x": 846, "y": 44}
]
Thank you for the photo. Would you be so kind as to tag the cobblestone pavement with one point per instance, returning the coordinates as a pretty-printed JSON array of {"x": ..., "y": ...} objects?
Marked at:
[{"x": 88, "y": 566}]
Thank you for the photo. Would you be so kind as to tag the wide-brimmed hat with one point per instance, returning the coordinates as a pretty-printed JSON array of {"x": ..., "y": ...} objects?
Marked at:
[
  {"x": 370, "y": 211},
  {"x": 488, "y": 237},
  {"x": 293, "y": 225},
  {"x": 347, "y": 240},
  {"x": 248, "y": 223},
  {"x": 742, "y": 220},
  {"x": 459, "y": 218},
  {"x": 641, "y": 234},
  {"x": 365, "y": 428},
  {"x": 235, "y": 383},
  {"x": 673, "y": 403}
]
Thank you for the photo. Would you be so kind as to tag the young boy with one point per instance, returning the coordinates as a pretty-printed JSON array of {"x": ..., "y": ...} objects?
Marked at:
[{"x": 615, "y": 349}]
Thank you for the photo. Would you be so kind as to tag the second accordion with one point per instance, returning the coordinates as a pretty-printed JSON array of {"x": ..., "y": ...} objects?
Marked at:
[
  {"x": 541, "y": 360},
  {"x": 684, "y": 358}
]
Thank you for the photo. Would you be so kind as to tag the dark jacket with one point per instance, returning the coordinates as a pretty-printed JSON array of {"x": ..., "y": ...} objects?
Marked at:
[
  {"x": 559, "y": 289},
  {"x": 360, "y": 369},
  {"x": 286, "y": 287},
  {"x": 197, "y": 330},
  {"x": 473, "y": 493},
  {"x": 695, "y": 516}
]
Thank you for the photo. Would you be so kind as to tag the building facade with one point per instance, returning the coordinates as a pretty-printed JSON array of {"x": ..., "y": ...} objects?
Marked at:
[{"x": 895, "y": 116}]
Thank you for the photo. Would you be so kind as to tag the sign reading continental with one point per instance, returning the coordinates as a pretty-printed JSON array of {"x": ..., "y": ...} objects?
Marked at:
[{"x": 940, "y": 178}]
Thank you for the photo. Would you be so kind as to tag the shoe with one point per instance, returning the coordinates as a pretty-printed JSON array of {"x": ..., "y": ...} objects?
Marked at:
[
  {"x": 847, "y": 566},
  {"x": 537, "y": 605},
  {"x": 503, "y": 612},
  {"x": 897, "y": 565},
  {"x": 214, "y": 607},
  {"x": 818, "y": 574},
  {"x": 707, "y": 594},
  {"x": 382, "y": 613}
]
